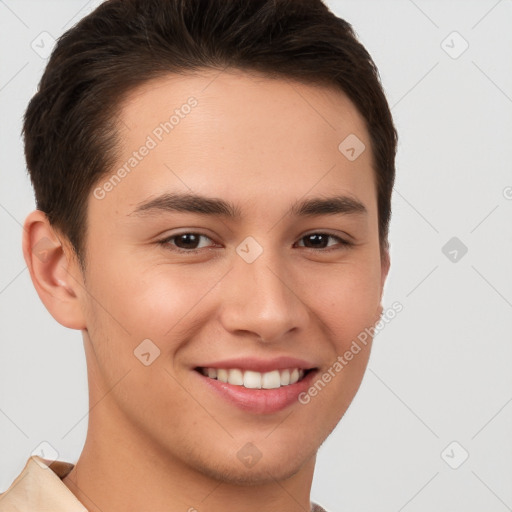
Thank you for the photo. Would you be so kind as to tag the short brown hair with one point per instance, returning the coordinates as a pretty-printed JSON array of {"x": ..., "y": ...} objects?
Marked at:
[{"x": 70, "y": 123}]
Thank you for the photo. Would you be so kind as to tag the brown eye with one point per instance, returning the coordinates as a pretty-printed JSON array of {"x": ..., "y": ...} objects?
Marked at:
[
  {"x": 186, "y": 242},
  {"x": 321, "y": 240}
]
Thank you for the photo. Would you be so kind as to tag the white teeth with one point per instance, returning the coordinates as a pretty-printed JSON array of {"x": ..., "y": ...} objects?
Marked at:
[
  {"x": 271, "y": 380},
  {"x": 222, "y": 375},
  {"x": 252, "y": 380},
  {"x": 255, "y": 380},
  {"x": 236, "y": 377}
]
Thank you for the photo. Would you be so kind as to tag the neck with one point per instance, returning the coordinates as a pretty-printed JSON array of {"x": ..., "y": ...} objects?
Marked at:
[
  {"x": 120, "y": 470},
  {"x": 108, "y": 477}
]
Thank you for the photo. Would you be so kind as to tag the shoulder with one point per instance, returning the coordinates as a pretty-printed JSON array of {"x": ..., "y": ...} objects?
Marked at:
[{"x": 39, "y": 487}]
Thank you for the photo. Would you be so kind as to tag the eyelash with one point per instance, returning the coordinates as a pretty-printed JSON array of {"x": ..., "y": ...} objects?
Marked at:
[{"x": 166, "y": 242}]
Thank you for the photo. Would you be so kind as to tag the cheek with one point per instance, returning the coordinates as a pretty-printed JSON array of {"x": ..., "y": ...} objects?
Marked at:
[
  {"x": 157, "y": 301},
  {"x": 347, "y": 301}
]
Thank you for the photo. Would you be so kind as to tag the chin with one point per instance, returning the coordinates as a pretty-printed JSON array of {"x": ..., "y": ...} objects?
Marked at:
[
  {"x": 271, "y": 467},
  {"x": 262, "y": 473}
]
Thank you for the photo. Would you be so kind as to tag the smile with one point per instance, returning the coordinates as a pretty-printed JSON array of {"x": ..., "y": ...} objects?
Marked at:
[
  {"x": 255, "y": 380},
  {"x": 256, "y": 385}
]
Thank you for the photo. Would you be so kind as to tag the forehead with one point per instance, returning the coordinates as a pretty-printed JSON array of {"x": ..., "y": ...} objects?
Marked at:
[{"x": 237, "y": 134}]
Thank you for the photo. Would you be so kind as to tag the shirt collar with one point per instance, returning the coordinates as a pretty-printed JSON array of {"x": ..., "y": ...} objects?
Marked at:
[{"x": 39, "y": 487}]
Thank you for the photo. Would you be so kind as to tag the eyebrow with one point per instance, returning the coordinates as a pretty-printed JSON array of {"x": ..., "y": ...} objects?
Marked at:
[{"x": 193, "y": 203}]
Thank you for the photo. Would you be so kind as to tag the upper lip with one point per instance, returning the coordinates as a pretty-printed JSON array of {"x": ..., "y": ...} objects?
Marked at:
[{"x": 260, "y": 365}]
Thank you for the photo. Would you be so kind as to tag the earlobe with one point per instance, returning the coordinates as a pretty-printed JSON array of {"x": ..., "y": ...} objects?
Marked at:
[
  {"x": 385, "y": 264},
  {"x": 53, "y": 270}
]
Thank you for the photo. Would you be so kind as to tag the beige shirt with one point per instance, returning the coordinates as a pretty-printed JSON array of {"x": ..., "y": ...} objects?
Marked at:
[{"x": 39, "y": 488}]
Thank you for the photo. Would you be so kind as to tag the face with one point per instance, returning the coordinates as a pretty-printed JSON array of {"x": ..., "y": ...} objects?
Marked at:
[{"x": 236, "y": 253}]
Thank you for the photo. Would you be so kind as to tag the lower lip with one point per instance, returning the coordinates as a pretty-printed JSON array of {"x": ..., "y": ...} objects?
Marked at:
[{"x": 261, "y": 401}]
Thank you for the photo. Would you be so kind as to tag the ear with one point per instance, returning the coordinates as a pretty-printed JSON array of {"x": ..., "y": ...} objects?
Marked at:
[
  {"x": 385, "y": 263},
  {"x": 54, "y": 271}
]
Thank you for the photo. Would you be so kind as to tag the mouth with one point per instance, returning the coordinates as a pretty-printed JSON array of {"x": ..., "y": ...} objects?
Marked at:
[
  {"x": 250, "y": 379},
  {"x": 261, "y": 387}
]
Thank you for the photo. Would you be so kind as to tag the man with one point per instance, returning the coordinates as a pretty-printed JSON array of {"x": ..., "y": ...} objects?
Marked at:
[{"x": 213, "y": 183}]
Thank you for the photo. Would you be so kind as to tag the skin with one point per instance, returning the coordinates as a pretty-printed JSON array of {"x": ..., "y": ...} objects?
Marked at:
[{"x": 158, "y": 438}]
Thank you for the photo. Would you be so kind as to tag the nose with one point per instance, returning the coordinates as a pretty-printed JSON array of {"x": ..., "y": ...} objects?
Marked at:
[{"x": 262, "y": 300}]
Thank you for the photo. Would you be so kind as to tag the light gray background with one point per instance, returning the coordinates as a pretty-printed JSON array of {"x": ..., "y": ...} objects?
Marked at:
[{"x": 440, "y": 371}]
